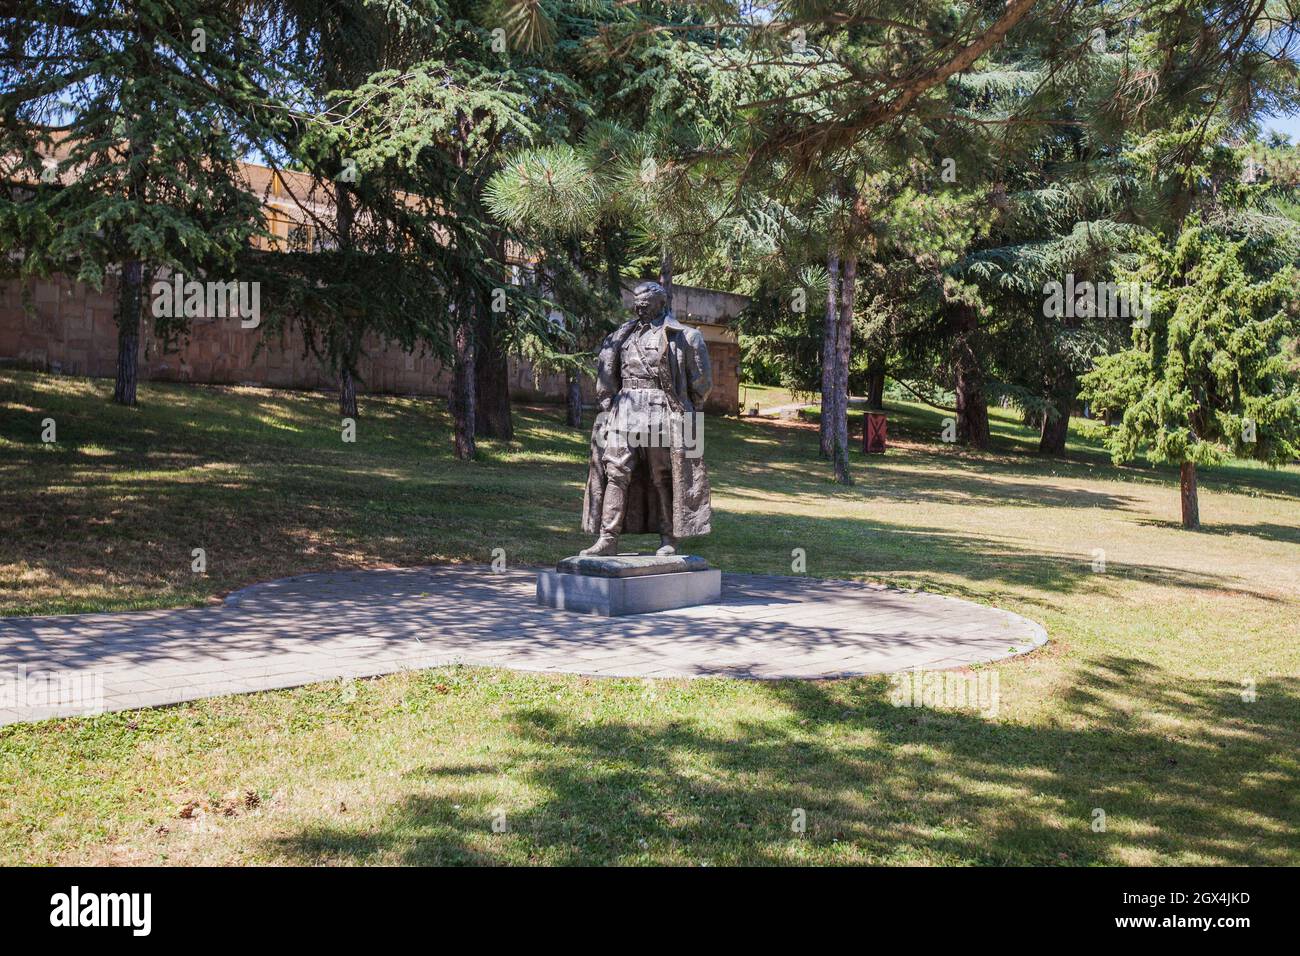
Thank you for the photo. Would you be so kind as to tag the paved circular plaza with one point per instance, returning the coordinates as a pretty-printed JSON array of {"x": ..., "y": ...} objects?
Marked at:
[{"x": 347, "y": 624}]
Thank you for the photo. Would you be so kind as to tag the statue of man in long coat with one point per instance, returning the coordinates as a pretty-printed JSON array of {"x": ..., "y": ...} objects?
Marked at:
[{"x": 646, "y": 474}]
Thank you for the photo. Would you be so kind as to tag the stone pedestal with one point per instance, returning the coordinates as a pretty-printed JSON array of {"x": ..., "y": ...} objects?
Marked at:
[{"x": 629, "y": 584}]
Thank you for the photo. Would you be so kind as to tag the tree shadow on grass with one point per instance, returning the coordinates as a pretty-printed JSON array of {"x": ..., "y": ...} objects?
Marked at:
[
  {"x": 75, "y": 538},
  {"x": 1287, "y": 534},
  {"x": 261, "y": 523},
  {"x": 1013, "y": 451},
  {"x": 949, "y": 487},
  {"x": 108, "y": 519},
  {"x": 862, "y": 548},
  {"x": 1184, "y": 770}
]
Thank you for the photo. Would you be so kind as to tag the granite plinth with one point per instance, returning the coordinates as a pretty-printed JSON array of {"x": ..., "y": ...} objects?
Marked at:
[
  {"x": 629, "y": 584},
  {"x": 631, "y": 565}
]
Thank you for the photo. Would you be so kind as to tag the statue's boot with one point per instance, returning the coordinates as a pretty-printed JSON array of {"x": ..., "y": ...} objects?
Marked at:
[
  {"x": 667, "y": 545},
  {"x": 605, "y": 545},
  {"x": 611, "y": 520}
]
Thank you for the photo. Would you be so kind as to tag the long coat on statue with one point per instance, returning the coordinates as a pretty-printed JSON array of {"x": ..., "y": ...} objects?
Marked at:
[{"x": 688, "y": 376}]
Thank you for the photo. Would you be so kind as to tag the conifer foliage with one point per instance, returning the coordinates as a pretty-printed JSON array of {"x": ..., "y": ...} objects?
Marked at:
[
  {"x": 1211, "y": 377},
  {"x": 121, "y": 126},
  {"x": 896, "y": 184}
]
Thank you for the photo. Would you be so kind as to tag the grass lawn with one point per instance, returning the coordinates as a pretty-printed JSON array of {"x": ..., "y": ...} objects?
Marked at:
[
  {"x": 767, "y": 397},
  {"x": 1135, "y": 707}
]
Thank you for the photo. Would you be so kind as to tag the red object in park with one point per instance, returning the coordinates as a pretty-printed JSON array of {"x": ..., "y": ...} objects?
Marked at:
[{"x": 874, "y": 433}]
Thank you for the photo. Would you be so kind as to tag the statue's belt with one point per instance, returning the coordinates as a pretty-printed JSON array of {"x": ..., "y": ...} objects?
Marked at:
[{"x": 662, "y": 384}]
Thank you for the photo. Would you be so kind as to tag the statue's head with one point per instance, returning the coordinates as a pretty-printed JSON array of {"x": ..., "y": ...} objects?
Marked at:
[{"x": 649, "y": 300}]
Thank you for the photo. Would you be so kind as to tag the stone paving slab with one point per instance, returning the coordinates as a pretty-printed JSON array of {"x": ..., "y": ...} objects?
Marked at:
[{"x": 350, "y": 624}]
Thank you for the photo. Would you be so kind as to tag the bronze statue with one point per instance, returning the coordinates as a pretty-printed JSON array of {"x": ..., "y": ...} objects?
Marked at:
[{"x": 646, "y": 474}]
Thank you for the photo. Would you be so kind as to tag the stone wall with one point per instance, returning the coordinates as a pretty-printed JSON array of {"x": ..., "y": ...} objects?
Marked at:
[{"x": 68, "y": 327}]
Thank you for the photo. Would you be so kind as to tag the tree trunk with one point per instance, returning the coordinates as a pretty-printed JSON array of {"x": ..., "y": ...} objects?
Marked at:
[
  {"x": 666, "y": 273},
  {"x": 972, "y": 406},
  {"x": 129, "y": 305},
  {"x": 344, "y": 216},
  {"x": 463, "y": 389},
  {"x": 1056, "y": 430},
  {"x": 492, "y": 367},
  {"x": 347, "y": 393},
  {"x": 830, "y": 333},
  {"x": 843, "y": 347},
  {"x": 572, "y": 400},
  {"x": 492, "y": 383},
  {"x": 464, "y": 386},
  {"x": 1191, "y": 506},
  {"x": 612, "y": 276},
  {"x": 130, "y": 293},
  {"x": 876, "y": 388},
  {"x": 348, "y": 374}
]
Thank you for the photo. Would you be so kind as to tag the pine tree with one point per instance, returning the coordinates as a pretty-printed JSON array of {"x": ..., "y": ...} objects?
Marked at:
[
  {"x": 555, "y": 198},
  {"x": 1209, "y": 378},
  {"x": 626, "y": 182},
  {"x": 350, "y": 42},
  {"x": 454, "y": 97}
]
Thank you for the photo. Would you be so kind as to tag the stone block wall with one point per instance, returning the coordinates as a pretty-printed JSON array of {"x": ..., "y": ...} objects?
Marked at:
[{"x": 69, "y": 327}]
